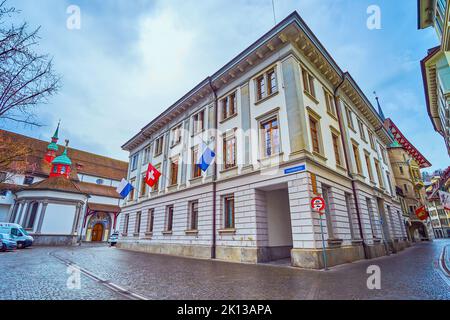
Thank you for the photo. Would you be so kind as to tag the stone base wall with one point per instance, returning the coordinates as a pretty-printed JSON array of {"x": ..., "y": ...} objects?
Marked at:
[
  {"x": 313, "y": 258},
  {"x": 193, "y": 251},
  {"x": 54, "y": 240}
]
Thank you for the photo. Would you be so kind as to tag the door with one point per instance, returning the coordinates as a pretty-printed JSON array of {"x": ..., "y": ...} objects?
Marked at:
[{"x": 97, "y": 232}]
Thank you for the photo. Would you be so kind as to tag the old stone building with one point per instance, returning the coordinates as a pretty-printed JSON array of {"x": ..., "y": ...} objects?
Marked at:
[
  {"x": 61, "y": 195},
  {"x": 287, "y": 124}
]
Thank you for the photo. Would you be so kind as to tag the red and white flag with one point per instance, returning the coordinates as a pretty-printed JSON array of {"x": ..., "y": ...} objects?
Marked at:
[{"x": 152, "y": 176}]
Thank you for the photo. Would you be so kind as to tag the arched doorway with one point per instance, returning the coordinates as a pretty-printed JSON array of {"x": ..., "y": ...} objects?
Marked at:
[{"x": 97, "y": 233}]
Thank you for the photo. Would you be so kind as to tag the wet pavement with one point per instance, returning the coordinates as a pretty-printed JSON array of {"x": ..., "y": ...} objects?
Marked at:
[{"x": 37, "y": 274}]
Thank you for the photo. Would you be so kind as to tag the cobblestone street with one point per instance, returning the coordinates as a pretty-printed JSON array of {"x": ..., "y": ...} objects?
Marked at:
[{"x": 39, "y": 273}]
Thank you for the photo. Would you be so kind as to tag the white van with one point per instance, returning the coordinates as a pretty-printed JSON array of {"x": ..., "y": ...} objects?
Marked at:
[{"x": 18, "y": 233}]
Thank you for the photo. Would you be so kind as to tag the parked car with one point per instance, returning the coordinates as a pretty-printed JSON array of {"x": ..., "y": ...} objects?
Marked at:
[
  {"x": 7, "y": 242},
  {"x": 19, "y": 234},
  {"x": 112, "y": 240}
]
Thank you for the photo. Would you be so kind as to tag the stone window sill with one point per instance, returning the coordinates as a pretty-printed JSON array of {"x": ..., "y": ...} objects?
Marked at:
[
  {"x": 266, "y": 98},
  {"x": 335, "y": 242},
  {"x": 149, "y": 234},
  {"x": 228, "y": 118},
  {"x": 332, "y": 115},
  {"x": 230, "y": 169},
  {"x": 310, "y": 96},
  {"x": 320, "y": 156},
  {"x": 227, "y": 231},
  {"x": 167, "y": 233},
  {"x": 191, "y": 232}
]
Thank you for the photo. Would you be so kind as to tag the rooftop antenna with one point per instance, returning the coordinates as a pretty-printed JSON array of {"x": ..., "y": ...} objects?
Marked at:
[{"x": 274, "y": 15}]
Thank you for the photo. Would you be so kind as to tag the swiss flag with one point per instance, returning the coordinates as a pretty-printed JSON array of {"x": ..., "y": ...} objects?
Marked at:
[{"x": 152, "y": 176}]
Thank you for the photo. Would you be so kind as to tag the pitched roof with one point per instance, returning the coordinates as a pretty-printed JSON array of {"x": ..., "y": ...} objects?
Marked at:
[
  {"x": 58, "y": 183},
  {"x": 83, "y": 162},
  {"x": 405, "y": 144},
  {"x": 98, "y": 190},
  {"x": 103, "y": 207}
]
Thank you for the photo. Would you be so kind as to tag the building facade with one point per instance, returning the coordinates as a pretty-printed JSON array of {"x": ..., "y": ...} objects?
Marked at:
[
  {"x": 62, "y": 195},
  {"x": 440, "y": 215},
  {"x": 436, "y": 65},
  {"x": 406, "y": 163},
  {"x": 287, "y": 124}
]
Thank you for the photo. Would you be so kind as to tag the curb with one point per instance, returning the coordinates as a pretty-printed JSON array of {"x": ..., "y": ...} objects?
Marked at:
[{"x": 444, "y": 265}]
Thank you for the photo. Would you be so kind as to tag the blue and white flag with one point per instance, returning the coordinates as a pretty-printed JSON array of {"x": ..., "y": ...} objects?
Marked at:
[
  {"x": 206, "y": 157},
  {"x": 124, "y": 188}
]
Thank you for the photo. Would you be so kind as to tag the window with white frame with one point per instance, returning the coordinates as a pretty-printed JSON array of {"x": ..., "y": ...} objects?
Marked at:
[
  {"x": 134, "y": 161},
  {"x": 176, "y": 135},
  {"x": 198, "y": 122},
  {"x": 159, "y": 146},
  {"x": 270, "y": 136},
  {"x": 228, "y": 105}
]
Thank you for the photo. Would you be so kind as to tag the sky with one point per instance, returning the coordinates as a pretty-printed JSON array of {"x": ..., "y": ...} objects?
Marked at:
[{"x": 130, "y": 60}]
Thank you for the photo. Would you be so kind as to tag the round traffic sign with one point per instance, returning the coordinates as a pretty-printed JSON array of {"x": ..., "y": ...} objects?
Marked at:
[{"x": 318, "y": 204}]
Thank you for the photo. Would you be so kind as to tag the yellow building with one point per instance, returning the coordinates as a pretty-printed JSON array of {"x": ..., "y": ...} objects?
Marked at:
[{"x": 406, "y": 163}]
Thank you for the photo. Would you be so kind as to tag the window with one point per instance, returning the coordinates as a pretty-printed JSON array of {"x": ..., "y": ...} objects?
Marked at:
[
  {"x": 383, "y": 153},
  {"x": 405, "y": 186},
  {"x": 380, "y": 177},
  {"x": 371, "y": 217},
  {"x": 348, "y": 112},
  {"x": 126, "y": 219},
  {"x": 134, "y": 161},
  {"x": 266, "y": 84},
  {"x": 99, "y": 181},
  {"x": 155, "y": 187},
  {"x": 3, "y": 176},
  {"x": 143, "y": 186},
  {"x": 159, "y": 146},
  {"x": 176, "y": 135},
  {"x": 272, "y": 80},
  {"x": 137, "y": 227},
  {"x": 28, "y": 180},
  {"x": 388, "y": 176},
  {"x": 30, "y": 217},
  {"x": 357, "y": 159},
  {"x": 260, "y": 87},
  {"x": 361, "y": 130},
  {"x": 329, "y": 99},
  {"x": 348, "y": 202},
  {"x": 173, "y": 172},
  {"x": 313, "y": 127},
  {"x": 131, "y": 195},
  {"x": 228, "y": 202},
  {"x": 228, "y": 106},
  {"x": 169, "y": 218},
  {"x": 308, "y": 83},
  {"x": 270, "y": 137},
  {"x": 369, "y": 166},
  {"x": 199, "y": 122},
  {"x": 196, "y": 171},
  {"x": 193, "y": 215},
  {"x": 229, "y": 151},
  {"x": 401, "y": 170},
  {"x": 146, "y": 157},
  {"x": 151, "y": 218},
  {"x": 337, "y": 153},
  {"x": 371, "y": 140}
]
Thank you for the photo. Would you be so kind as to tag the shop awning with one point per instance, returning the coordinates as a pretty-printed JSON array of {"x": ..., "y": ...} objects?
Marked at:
[{"x": 98, "y": 207}]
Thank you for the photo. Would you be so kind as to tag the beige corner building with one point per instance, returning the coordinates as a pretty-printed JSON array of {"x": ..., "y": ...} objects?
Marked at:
[{"x": 286, "y": 124}]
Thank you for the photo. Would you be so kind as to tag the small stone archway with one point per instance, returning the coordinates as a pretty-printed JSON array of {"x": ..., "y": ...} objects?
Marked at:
[
  {"x": 99, "y": 222},
  {"x": 418, "y": 231}
]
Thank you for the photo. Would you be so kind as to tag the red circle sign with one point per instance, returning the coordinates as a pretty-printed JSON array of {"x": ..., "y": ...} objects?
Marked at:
[{"x": 318, "y": 204}]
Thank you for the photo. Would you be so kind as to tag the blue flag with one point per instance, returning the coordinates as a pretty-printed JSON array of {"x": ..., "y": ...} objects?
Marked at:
[
  {"x": 206, "y": 157},
  {"x": 124, "y": 188}
]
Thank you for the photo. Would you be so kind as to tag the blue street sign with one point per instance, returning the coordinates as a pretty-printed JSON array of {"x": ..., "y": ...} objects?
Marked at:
[{"x": 300, "y": 168}]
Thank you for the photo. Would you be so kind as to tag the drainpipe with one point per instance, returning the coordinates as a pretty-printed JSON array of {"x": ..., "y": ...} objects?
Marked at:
[
  {"x": 213, "y": 248},
  {"x": 346, "y": 157}
]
